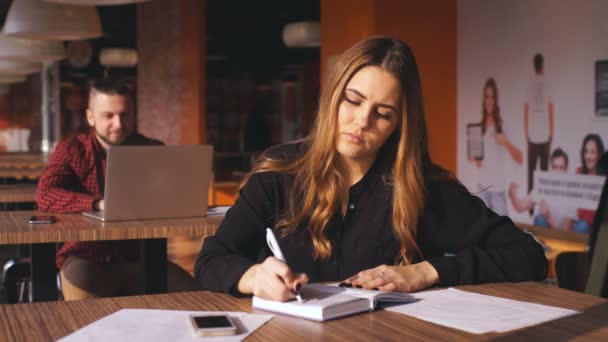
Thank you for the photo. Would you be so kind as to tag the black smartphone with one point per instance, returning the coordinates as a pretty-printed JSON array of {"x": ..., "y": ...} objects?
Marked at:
[
  {"x": 213, "y": 325},
  {"x": 43, "y": 219}
]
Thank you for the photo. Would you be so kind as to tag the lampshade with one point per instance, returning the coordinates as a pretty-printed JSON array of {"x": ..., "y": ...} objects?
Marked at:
[
  {"x": 30, "y": 50},
  {"x": 96, "y": 2},
  {"x": 302, "y": 34},
  {"x": 5, "y": 78},
  {"x": 118, "y": 58},
  {"x": 19, "y": 68},
  {"x": 35, "y": 19}
]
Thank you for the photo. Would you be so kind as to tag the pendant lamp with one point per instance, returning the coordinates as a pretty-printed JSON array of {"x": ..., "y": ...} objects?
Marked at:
[
  {"x": 97, "y": 2},
  {"x": 302, "y": 34},
  {"x": 19, "y": 68},
  {"x": 118, "y": 58},
  {"x": 35, "y": 19},
  {"x": 28, "y": 50}
]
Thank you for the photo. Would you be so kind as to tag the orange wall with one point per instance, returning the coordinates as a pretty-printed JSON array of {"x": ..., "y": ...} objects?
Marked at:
[
  {"x": 192, "y": 69},
  {"x": 429, "y": 27},
  {"x": 343, "y": 23},
  {"x": 171, "y": 71}
]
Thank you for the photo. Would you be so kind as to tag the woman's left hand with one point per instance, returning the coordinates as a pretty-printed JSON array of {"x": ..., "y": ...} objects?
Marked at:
[{"x": 406, "y": 278}]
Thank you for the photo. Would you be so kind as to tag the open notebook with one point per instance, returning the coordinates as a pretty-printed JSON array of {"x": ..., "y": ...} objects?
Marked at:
[{"x": 325, "y": 302}]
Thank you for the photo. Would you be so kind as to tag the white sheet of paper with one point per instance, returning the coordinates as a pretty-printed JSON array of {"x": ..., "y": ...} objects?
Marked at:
[
  {"x": 476, "y": 313},
  {"x": 160, "y": 325}
]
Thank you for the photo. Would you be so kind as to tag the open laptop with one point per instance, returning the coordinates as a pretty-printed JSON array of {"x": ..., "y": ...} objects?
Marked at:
[{"x": 148, "y": 182}]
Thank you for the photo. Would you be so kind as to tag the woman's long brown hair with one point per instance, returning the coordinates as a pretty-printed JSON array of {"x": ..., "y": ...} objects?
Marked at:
[{"x": 319, "y": 189}]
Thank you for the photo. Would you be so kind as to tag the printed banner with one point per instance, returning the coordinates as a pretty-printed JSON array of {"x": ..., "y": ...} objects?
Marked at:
[{"x": 532, "y": 108}]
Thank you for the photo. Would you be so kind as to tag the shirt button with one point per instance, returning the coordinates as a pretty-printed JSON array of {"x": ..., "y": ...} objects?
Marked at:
[{"x": 351, "y": 206}]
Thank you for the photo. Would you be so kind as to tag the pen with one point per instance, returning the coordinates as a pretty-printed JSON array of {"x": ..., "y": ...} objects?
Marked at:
[{"x": 273, "y": 244}]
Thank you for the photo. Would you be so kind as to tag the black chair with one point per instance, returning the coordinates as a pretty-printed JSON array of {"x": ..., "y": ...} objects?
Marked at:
[
  {"x": 16, "y": 280},
  {"x": 597, "y": 283},
  {"x": 572, "y": 270},
  {"x": 588, "y": 271}
]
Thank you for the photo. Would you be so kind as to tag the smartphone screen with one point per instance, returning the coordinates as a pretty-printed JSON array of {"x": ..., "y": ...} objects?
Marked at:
[
  {"x": 43, "y": 219},
  {"x": 213, "y": 325},
  {"x": 203, "y": 322}
]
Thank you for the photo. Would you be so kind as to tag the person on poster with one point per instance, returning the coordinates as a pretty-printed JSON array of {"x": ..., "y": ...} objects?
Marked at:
[
  {"x": 591, "y": 150},
  {"x": 497, "y": 149},
  {"x": 538, "y": 120},
  {"x": 547, "y": 214}
]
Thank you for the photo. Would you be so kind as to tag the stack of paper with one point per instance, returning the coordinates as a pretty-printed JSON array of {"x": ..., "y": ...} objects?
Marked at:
[{"x": 477, "y": 313}]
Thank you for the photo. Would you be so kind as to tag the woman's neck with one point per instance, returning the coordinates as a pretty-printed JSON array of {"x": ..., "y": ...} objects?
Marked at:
[{"x": 354, "y": 169}]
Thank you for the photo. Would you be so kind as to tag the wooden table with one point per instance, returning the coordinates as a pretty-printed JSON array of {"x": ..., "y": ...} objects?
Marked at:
[
  {"x": 53, "y": 320},
  {"x": 17, "y": 193},
  {"x": 558, "y": 242},
  {"x": 15, "y": 229},
  {"x": 557, "y": 246},
  {"x": 20, "y": 160},
  {"x": 21, "y": 173},
  {"x": 22, "y": 165}
]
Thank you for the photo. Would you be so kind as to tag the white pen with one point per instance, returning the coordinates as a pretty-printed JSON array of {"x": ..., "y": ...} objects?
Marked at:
[{"x": 273, "y": 244}]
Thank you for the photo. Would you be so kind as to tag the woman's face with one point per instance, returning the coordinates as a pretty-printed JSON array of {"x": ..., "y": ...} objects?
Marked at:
[
  {"x": 591, "y": 155},
  {"x": 489, "y": 100},
  {"x": 369, "y": 112}
]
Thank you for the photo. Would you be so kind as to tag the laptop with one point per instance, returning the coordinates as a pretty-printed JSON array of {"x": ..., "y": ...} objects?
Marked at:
[{"x": 153, "y": 182}]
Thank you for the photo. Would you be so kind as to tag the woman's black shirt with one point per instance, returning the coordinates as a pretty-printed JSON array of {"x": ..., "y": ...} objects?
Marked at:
[{"x": 466, "y": 242}]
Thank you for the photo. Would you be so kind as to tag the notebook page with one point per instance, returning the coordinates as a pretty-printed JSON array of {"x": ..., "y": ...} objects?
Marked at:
[{"x": 372, "y": 295}]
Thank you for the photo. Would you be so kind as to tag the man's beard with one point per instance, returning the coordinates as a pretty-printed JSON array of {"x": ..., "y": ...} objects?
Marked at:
[{"x": 109, "y": 142}]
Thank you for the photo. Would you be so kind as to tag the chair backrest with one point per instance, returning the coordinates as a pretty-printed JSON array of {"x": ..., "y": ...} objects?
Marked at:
[
  {"x": 597, "y": 284},
  {"x": 572, "y": 270}
]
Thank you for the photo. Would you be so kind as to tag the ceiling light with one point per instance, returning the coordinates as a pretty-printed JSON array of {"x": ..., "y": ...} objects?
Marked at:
[
  {"x": 118, "y": 58},
  {"x": 35, "y": 19},
  {"x": 30, "y": 50},
  {"x": 302, "y": 34}
]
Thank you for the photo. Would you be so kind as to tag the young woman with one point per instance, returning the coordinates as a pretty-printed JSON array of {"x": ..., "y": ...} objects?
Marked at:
[
  {"x": 359, "y": 200},
  {"x": 591, "y": 151},
  {"x": 497, "y": 148}
]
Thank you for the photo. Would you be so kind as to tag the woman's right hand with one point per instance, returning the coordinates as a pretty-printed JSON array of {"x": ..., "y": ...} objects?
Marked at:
[{"x": 272, "y": 280}]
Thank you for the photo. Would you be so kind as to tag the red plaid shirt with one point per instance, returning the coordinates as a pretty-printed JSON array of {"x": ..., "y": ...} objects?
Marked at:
[{"x": 72, "y": 181}]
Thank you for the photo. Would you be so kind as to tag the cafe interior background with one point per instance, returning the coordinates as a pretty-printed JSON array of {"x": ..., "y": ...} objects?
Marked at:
[{"x": 239, "y": 75}]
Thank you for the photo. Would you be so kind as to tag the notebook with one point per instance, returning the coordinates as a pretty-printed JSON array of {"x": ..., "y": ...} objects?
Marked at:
[
  {"x": 148, "y": 182},
  {"x": 326, "y": 302}
]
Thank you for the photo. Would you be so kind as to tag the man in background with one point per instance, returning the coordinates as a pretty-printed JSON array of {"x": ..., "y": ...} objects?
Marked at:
[
  {"x": 74, "y": 181},
  {"x": 538, "y": 120},
  {"x": 546, "y": 215}
]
